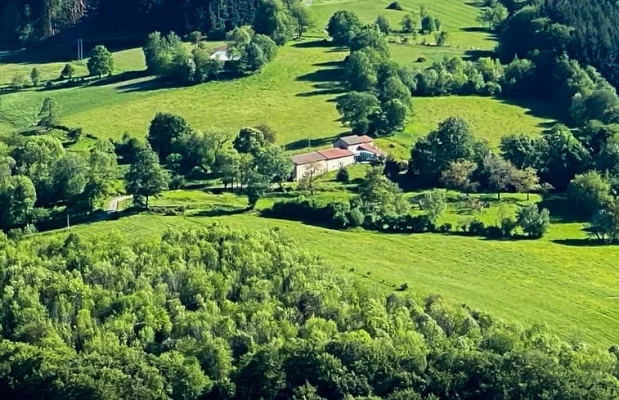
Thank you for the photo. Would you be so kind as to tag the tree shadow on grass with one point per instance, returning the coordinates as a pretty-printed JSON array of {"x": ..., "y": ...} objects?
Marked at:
[
  {"x": 476, "y": 54},
  {"x": 313, "y": 143},
  {"x": 326, "y": 81},
  {"x": 87, "y": 82},
  {"x": 537, "y": 109},
  {"x": 322, "y": 75},
  {"x": 38, "y": 55},
  {"x": 583, "y": 243},
  {"x": 220, "y": 212},
  {"x": 478, "y": 29},
  {"x": 149, "y": 85},
  {"x": 330, "y": 64},
  {"x": 312, "y": 44},
  {"x": 561, "y": 210}
]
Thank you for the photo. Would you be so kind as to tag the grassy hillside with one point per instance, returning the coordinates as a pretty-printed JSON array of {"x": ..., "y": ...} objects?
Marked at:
[
  {"x": 294, "y": 94},
  {"x": 572, "y": 289},
  {"x": 457, "y": 16}
]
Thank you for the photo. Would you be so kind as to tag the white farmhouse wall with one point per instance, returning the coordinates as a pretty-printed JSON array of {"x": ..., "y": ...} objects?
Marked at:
[
  {"x": 333, "y": 165},
  {"x": 300, "y": 170},
  {"x": 323, "y": 166}
]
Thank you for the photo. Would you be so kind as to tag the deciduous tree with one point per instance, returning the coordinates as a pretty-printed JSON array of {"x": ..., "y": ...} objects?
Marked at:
[
  {"x": 146, "y": 177},
  {"x": 164, "y": 131},
  {"x": 101, "y": 61},
  {"x": 534, "y": 222},
  {"x": 459, "y": 176}
]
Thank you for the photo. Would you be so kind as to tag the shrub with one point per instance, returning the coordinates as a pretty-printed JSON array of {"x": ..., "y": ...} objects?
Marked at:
[
  {"x": 395, "y": 6},
  {"x": 336, "y": 215},
  {"x": 421, "y": 59},
  {"x": 342, "y": 175},
  {"x": 476, "y": 227},
  {"x": 356, "y": 217},
  {"x": 18, "y": 82},
  {"x": 534, "y": 223},
  {"x": 421, "y": 223},
  {"x": 177, "y": 182},
  {"x": 29, "y": 229},
  {"x": 508, "y": 225},
  {"x": 15, "y": 234},
  {"x": 403, "y": 287},
  {"x": 444, "y": 228},
  {"x": 494, "y": 232},
  {"x": 195, "y": 37}
]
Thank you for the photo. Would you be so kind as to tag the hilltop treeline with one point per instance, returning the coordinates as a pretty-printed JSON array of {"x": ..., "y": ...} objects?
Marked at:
[
  {"x": 586, "y": 30},
  {"x": 29, "y": 21},
  {"x": 221, "y": 314}
]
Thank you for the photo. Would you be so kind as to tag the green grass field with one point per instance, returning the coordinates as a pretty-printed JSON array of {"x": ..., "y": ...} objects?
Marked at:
[
  {"x": 294, "y": 94},
  {"x": 571, "y": 288}
]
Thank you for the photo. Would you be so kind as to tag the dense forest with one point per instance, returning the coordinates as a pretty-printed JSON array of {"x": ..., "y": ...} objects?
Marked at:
[
  {"x": 30, "y": 21},
  {"x": 223, "y": 314},
  {"x": 586, "y": 30}
]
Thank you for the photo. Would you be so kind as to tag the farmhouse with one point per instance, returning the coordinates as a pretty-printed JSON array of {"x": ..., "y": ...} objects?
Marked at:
[
  {"x": 320, "y": 162},
  {"x": 346, "y": 151},
  {"x": 362, "y": 146}
]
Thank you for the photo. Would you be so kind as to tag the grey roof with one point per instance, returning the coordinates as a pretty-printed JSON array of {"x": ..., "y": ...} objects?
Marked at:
[
  {"x": 356, "y": 139},
  {"x": 307, "y": 158}
]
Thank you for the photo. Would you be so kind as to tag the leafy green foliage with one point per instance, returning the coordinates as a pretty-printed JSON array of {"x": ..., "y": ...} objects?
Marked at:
[
  {"x": 434, "y": 204},
  {"x": 383, "y": 24},
  {"x": 249, "y": 141},
  {"x": 453, "y": 141},
  {"x": 146, "y": 177},
  {"x": 165, "y": 131},
  {"x": 533, "y": 221},
  {"x": 48, "y": 114},
  {"x": 101, "y": 61},
  {"x": 343, "y": 26},
  {"x": 221, "y": 332},
  {"x": 67, "y": 71},
  {"x": 408, "y": 23},
  {"x": 342, "y": 175},
  {"x": 589, "y": 193},
  {"x": 35, "y": 76}
]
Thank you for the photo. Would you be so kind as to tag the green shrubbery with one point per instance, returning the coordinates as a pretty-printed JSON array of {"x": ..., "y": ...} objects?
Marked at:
[{"x": 227, "y": 314}]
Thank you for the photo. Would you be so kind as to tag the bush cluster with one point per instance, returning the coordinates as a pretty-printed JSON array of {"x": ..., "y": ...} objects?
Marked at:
[{"x": 340, "y": 215}]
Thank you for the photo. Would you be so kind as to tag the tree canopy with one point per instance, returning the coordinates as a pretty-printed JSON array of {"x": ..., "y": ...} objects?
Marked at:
[{"x": 220, "y": 313}]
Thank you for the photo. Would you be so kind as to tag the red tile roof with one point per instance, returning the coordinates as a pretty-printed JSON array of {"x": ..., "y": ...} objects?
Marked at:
[
  {"x": 321, "y": 155},
  {"x": 336, "y": 153},
  {"x": 372, "y": 149}
]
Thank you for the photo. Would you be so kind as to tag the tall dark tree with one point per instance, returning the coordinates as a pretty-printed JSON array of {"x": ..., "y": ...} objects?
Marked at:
[
  {"x": 164, "y": 131},
  {"x": 146, "y": 177},
  {"x": 452, "y": 141}
]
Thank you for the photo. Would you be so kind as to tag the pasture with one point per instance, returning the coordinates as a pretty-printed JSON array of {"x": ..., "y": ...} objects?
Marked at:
[
  {"x": 569, "y": 286},
  {"x": 294, "y": 94}
]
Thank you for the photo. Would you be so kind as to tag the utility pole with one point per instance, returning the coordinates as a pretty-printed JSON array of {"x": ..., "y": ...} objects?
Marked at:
[
  {"x": 309, "y": 144},
  {"x": 80, "y": 50},
  {"x": 68, "y": 221}
]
